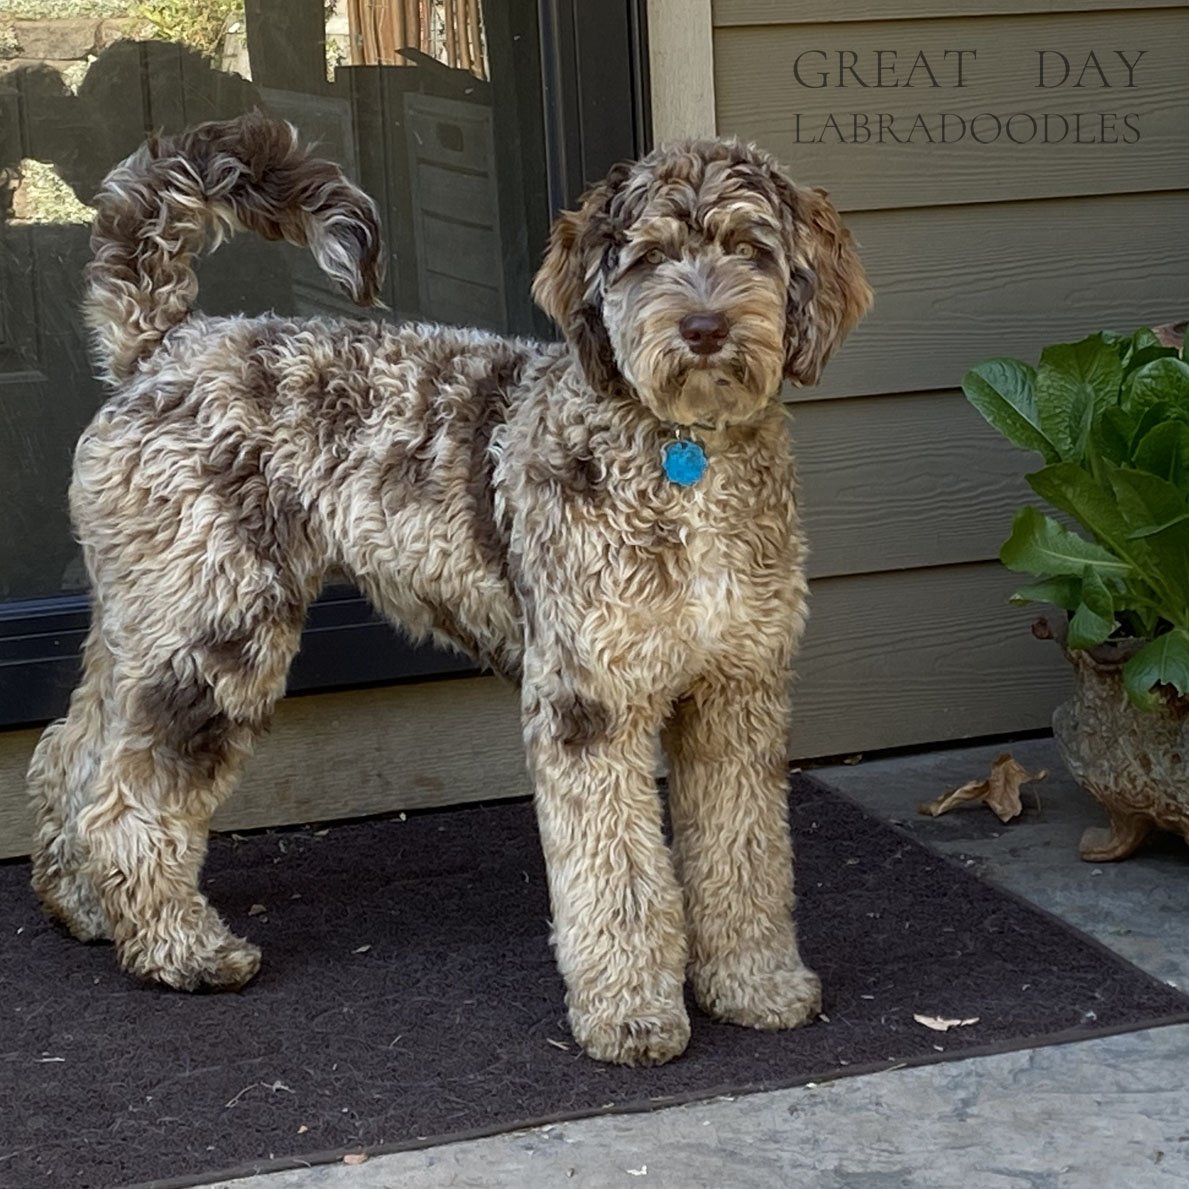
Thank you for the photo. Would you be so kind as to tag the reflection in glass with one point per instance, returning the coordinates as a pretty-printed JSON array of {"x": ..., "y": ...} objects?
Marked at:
[{"x": 433, "y": 106}]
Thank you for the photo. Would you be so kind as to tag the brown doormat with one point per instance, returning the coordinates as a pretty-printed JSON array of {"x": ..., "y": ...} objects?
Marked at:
[{"x": 409, "y": 996}]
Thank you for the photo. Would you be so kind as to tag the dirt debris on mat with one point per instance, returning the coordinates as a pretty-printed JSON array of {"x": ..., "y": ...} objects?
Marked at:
[{"x": 1000, "y": 791}]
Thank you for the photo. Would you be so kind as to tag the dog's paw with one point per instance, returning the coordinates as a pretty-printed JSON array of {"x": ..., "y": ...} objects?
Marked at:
[
  {"x": 650, "y": 1036},
  {"x": 77, "y": 911},
  {"x": 87, "y": 923},
  {"x": 226, "y": 963},
  {"x": 68, "y": 897},
  {"x": 759, "y": 998},
  {"x": 231, "y": 966}
]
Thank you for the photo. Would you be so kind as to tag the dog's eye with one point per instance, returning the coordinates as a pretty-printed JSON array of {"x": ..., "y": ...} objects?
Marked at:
[
  {"x": 656, "y": 256},
  {"x": 746, "y": 250}
]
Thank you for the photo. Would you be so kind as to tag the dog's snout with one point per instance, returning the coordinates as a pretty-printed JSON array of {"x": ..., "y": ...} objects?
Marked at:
[{"x": 704, "y": 332}]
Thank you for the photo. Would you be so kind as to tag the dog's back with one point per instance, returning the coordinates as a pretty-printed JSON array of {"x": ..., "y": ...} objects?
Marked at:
[{"x": 286, "y": 447}]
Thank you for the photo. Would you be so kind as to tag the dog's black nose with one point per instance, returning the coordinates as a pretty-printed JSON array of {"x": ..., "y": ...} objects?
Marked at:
[{"x": 705, "y": 332}]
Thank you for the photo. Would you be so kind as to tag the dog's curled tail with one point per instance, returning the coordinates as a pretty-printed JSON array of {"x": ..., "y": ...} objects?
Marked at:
[{"x": 174, "y": 195}]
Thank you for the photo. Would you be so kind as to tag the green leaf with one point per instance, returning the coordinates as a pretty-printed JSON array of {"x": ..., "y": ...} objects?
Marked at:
[
  {"x": 1137, "y": 359},
  {"x": 1097, "y": 595},
  {"x": 1150, "y": 417},
  {"x": 1159, "y": 532},
  {"x": 1074, "y": 382},
  {"x": 1138, "y": 534},
  {"x": 1064, "y": 591},
  {"x": 1094, "y": 620},
  {"x": 1164, "y": 660},
  {"x": 1100, "y": 510},
  {"x": 1142, "y": 347},
  {"x": 1147, "y": 500},
  {"x": 1002, "y": 391},
  {"x": 1112, "y": 433},
  {"x": 1164, "y": 451},
  {"x": 1095, "y": 507},
  {"x": 1141, "y": 337},
  {"x": 1161, "y": 380},
  {"x": 1087, "y": 629},
  {"x": 1039, "y": 545}
]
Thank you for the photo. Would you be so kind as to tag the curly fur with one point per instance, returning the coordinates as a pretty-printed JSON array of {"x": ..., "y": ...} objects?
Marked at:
[{"x": 500, "y": 495}]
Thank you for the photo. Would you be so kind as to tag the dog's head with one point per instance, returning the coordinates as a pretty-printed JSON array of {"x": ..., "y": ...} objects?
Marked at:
[{"x": 698, "y": 278}]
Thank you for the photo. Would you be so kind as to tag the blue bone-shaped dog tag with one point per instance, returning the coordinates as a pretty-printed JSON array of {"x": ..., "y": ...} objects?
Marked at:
[{"x": 685, "y": 462}]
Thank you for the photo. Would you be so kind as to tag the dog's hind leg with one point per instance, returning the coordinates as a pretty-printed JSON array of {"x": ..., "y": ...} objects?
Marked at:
[
  {"x": 60, "y": 781},
  {"x": 180, "y": 725}
]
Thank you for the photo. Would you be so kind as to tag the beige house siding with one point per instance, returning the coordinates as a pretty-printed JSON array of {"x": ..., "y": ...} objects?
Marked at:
[
  {"x": 758, "y": 96},
  {"x": 974, "y": 250}
]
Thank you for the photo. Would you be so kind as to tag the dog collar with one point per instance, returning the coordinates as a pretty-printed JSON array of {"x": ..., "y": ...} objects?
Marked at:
[{"x": 684, "y": 459}]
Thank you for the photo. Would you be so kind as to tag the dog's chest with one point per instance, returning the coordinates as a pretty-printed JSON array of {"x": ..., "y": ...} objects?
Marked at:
[
  {"x": 715, "y": 574},
  {"x": 729, "y": 573}
]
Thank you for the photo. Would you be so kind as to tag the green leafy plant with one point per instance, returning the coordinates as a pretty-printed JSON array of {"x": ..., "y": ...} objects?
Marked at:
[
  {"x": 1110, "y": 417},
  {"x": 199, "y": 24}
]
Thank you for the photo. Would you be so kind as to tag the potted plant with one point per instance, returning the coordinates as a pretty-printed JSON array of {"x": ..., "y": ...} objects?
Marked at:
[{"x": 1110, "y": 417}]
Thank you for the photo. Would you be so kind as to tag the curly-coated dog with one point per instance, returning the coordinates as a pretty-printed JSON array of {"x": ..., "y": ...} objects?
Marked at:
[{"x": 609, "y": 522}]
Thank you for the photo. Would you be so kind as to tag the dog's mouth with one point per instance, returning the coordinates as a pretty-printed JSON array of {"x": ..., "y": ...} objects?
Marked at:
[
  {"x": 726, "y": 366},
  {"x": 719, "y": 390},
  {"x": 722, "y": 388}
]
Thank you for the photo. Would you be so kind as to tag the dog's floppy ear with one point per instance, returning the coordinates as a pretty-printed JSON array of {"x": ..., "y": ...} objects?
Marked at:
[
  {"x": 828, "y": 290},
  {"x": 569, "y": 284}
]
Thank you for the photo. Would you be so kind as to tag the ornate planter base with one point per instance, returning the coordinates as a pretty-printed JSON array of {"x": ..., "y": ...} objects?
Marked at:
[{"x": 1135, "y": 762}]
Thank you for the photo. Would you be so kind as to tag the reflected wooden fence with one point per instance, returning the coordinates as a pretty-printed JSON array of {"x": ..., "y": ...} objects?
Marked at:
[{"x": 449, "y": 30}]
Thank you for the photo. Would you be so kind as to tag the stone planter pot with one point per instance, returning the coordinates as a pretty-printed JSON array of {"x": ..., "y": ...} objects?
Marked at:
[{"x": 1135, "y": 762}]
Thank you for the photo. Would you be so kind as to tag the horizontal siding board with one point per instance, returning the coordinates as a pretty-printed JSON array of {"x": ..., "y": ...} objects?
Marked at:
[
  {"x": 783, "y": 12},
  {"x": 920, "y": 656},
  {"x": 346, "y": 754},
  {"x": 758, "y": 97},
  {"x": 899, "y": 482},
  {"x": 889, "y": 660},
  {"x": 956, "y": 285}
]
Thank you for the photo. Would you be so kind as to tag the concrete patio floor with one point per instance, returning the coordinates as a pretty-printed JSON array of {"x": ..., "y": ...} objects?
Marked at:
[{"x": 1110, "y": 1113}]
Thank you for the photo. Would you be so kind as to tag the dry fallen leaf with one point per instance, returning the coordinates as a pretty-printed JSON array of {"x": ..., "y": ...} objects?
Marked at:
[
  {"x": 257, "y": 910},
  {"x": 302, "y": 1129},
  {"x": 361, "y": 949},
  {"x": 1000, "y": 791},
  {"x": 941, "y": 1025},
  {"x": 355, "y": 1158}
]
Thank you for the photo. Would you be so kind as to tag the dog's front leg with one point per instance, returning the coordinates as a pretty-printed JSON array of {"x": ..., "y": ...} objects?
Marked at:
[
  {"x": 728, "y": 796},
  {"x": 618, "y": 927}
]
